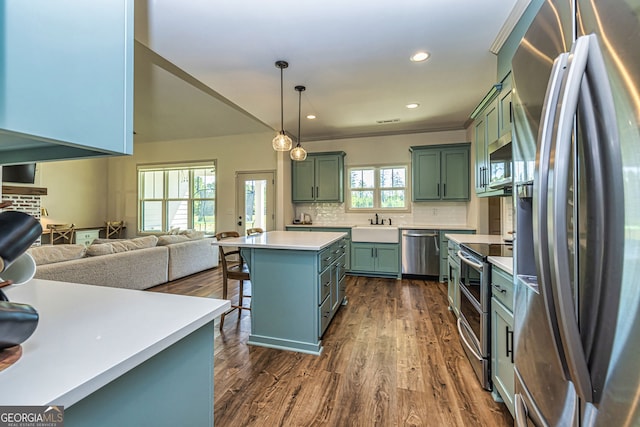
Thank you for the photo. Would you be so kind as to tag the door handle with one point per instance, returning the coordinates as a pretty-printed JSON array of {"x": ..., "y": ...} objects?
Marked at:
[{"x": 509, "y": 342}]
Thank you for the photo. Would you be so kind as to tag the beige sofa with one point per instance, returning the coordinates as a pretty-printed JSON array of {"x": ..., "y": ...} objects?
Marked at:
[{"x": 134, "y": 264}]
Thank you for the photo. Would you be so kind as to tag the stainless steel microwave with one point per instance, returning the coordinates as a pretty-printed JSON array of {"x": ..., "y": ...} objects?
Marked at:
[{"x": 500, "y": 162}]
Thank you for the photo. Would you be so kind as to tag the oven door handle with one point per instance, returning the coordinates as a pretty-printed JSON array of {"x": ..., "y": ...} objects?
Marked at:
[
  {"x": 464, "y": 339},
  {"x": 479, "y": 266}
]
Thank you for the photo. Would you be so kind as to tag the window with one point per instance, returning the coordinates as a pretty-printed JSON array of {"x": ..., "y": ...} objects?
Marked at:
[
  {"x": 172, "y": 196},
  {"x": 378, "y": 188}
]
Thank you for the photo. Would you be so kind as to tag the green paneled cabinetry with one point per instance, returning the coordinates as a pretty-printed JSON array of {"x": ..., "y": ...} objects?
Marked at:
[
  {"x": 440, "y": 172},
  {"x": 377, "y": 259},
  {"x": 67, "y": 74},
  {"x": 319, "y": 178},
  {"x": 502, "y": 366},
  {"x": 490, "y": 123}
]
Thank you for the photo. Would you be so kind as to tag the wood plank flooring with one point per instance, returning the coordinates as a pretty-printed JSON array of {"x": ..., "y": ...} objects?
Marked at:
[{"x": 391, "y": 357}]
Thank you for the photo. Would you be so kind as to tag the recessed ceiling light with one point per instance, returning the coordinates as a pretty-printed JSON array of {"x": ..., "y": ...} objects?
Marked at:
[
  {"x": 419, "y": 56},
  {"x": 311, "y": 116},
  {"x": 413, "y": 105}
]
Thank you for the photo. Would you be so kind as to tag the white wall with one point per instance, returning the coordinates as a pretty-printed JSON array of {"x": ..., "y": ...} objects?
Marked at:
[
  {"x": 76, "y": 192},
  {"x": 88, "y": 192},
  {"x": 389, "y": 150},
  {"x": 235, "y": 153}
]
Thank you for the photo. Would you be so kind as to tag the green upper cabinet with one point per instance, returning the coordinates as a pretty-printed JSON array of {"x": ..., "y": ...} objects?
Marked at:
[
  {"x": 504, "y": 107},
  {"x": 319, "y": 178},
  {"x": 491, "y": 123},
  {"x": 482, "y": 161},
  {"x": 67, "y": 74},
  {"x": 440, "y": 172}
]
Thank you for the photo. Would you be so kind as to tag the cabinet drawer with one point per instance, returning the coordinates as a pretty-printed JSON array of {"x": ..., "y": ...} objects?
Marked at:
[
  {"x": 86, "y": 237},
  {"x": 324, "y": 313},
  {"x": 502, "y": 287},
  {"x": 325, "y": 285},
  {"x": 325, "y": 258}
]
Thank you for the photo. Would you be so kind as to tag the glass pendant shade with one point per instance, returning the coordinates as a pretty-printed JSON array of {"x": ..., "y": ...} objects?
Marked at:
[
  {"x": 281, "y": 142},
  {"x": 298, "y": 153}
]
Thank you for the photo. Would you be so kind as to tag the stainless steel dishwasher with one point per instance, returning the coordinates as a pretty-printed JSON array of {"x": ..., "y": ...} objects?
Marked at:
[{"x": 420, "y": 252}]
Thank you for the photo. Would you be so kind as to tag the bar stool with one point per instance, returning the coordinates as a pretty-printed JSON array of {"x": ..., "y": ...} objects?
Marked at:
[
  {"x": 236, "y": 271},
  {"x": 254, "y": 231}
]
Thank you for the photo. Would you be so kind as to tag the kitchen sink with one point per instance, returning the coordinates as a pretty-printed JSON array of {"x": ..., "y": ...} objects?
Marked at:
[{"x": 375, "y": 234}]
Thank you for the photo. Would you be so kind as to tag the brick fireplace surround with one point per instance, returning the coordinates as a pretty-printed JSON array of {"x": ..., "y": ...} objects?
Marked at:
[{"x": 25, "y": 199}]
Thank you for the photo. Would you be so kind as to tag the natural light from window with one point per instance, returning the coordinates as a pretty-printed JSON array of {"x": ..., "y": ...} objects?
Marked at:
[
  {"x": 378, "y": 188},
  {"x": 173, "y": 197}
]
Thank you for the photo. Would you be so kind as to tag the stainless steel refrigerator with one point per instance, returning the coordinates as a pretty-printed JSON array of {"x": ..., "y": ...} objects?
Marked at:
[{"x": 576, "y": 77}]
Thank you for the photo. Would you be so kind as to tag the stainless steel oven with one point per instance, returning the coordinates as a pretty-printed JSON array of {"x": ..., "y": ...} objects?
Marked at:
[{"x": 473, "y": 323}]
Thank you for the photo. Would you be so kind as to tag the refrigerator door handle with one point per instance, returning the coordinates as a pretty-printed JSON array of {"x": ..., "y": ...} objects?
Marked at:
[
  {"x": 520, "y": 410},
  {"x": 542, "y": 247},
  {"x": 605, "y": 202},
  {"x": 559, "y": 233}
]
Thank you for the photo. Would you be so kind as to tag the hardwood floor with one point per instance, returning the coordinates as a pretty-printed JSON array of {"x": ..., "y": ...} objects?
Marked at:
[{"x": 391, "y": 357}]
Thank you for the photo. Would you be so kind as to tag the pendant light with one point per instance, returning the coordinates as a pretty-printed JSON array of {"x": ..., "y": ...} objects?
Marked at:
[
  {"x": 299, "y": 153},
  {"x": 281, "y": 142}
]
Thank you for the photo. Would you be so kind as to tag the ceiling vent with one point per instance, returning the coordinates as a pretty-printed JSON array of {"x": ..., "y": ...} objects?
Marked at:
[{"x": 384, "y": 122}]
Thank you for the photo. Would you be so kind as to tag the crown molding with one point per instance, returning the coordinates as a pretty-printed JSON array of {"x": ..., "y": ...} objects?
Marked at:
[{"x": 509, "y": 24}]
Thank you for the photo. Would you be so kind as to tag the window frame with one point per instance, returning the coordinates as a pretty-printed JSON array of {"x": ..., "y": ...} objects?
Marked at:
[
  {"x": 377, "y": 190},
  {"x": 165, "y": 200}
]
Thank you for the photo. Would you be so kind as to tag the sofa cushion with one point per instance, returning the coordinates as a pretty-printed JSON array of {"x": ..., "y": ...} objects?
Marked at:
[
  {"x": 170, "y": 239},
  {"x": 193, "y": 234},
  {"x": 122, "y": 246},
  {"x": 49, "y": 254}
]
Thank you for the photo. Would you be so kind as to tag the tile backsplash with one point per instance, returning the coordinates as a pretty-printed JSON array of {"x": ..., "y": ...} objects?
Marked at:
[{"x": 421, "y": 214}]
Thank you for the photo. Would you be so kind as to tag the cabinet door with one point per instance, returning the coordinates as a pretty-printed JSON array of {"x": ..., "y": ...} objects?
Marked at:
[
  {"x": 502, "y": 352},
  {"x": 455, "y": 174},
  {"x": 426, "y": 174},
  {"x": 387, "y": 259},
  {"x": 303, "y": 180},
  {"x": 362, "y": 256},
  {"x": 481, "y": 154},
  {"x": 67, "y": 74},
  {"x": 328, "y": 179},
  {"x": 504, "y": 107},
  {"x": 492, "y": 118}
]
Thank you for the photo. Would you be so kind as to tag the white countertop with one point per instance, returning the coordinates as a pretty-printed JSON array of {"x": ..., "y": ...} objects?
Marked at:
[
  {"x": 401, "y": 226},
  {"x": 87, "y": 336},
  {"x": 293, "y": 240},
  {"x": 502, "y": 262},
  {"x": 474, "y": 238}
]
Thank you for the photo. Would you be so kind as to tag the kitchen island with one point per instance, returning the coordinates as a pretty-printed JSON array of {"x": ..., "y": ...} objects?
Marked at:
[
  {"x": 115, "y": 356},
  {"x": 297, "y": 286}
]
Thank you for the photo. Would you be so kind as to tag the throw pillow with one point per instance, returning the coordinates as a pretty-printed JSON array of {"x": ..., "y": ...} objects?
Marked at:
[
  {"x": 49, "y": 254},
  {"x": 140, "y": 243},
  {"x": 170, "y": 239},
  {"x": 193, "y": 234},
  {"x": 98, "y": 249}
]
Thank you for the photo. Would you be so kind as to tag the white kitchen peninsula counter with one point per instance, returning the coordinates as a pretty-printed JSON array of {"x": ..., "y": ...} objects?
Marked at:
[{"x": 96, "y": 346}]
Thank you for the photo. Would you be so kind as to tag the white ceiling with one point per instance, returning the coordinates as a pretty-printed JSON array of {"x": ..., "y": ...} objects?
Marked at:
[{"x": 206, "y": 68}]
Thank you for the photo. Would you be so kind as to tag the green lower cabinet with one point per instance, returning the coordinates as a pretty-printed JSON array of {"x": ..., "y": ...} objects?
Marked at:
[
  {"x": 375, "y": 258},
  {"x": 502, "y": 366}
]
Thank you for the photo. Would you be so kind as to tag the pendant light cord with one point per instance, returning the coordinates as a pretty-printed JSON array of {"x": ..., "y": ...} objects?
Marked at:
[
  {"x": 281, "y": 101},
  {"x": 299, "y": 113}
]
